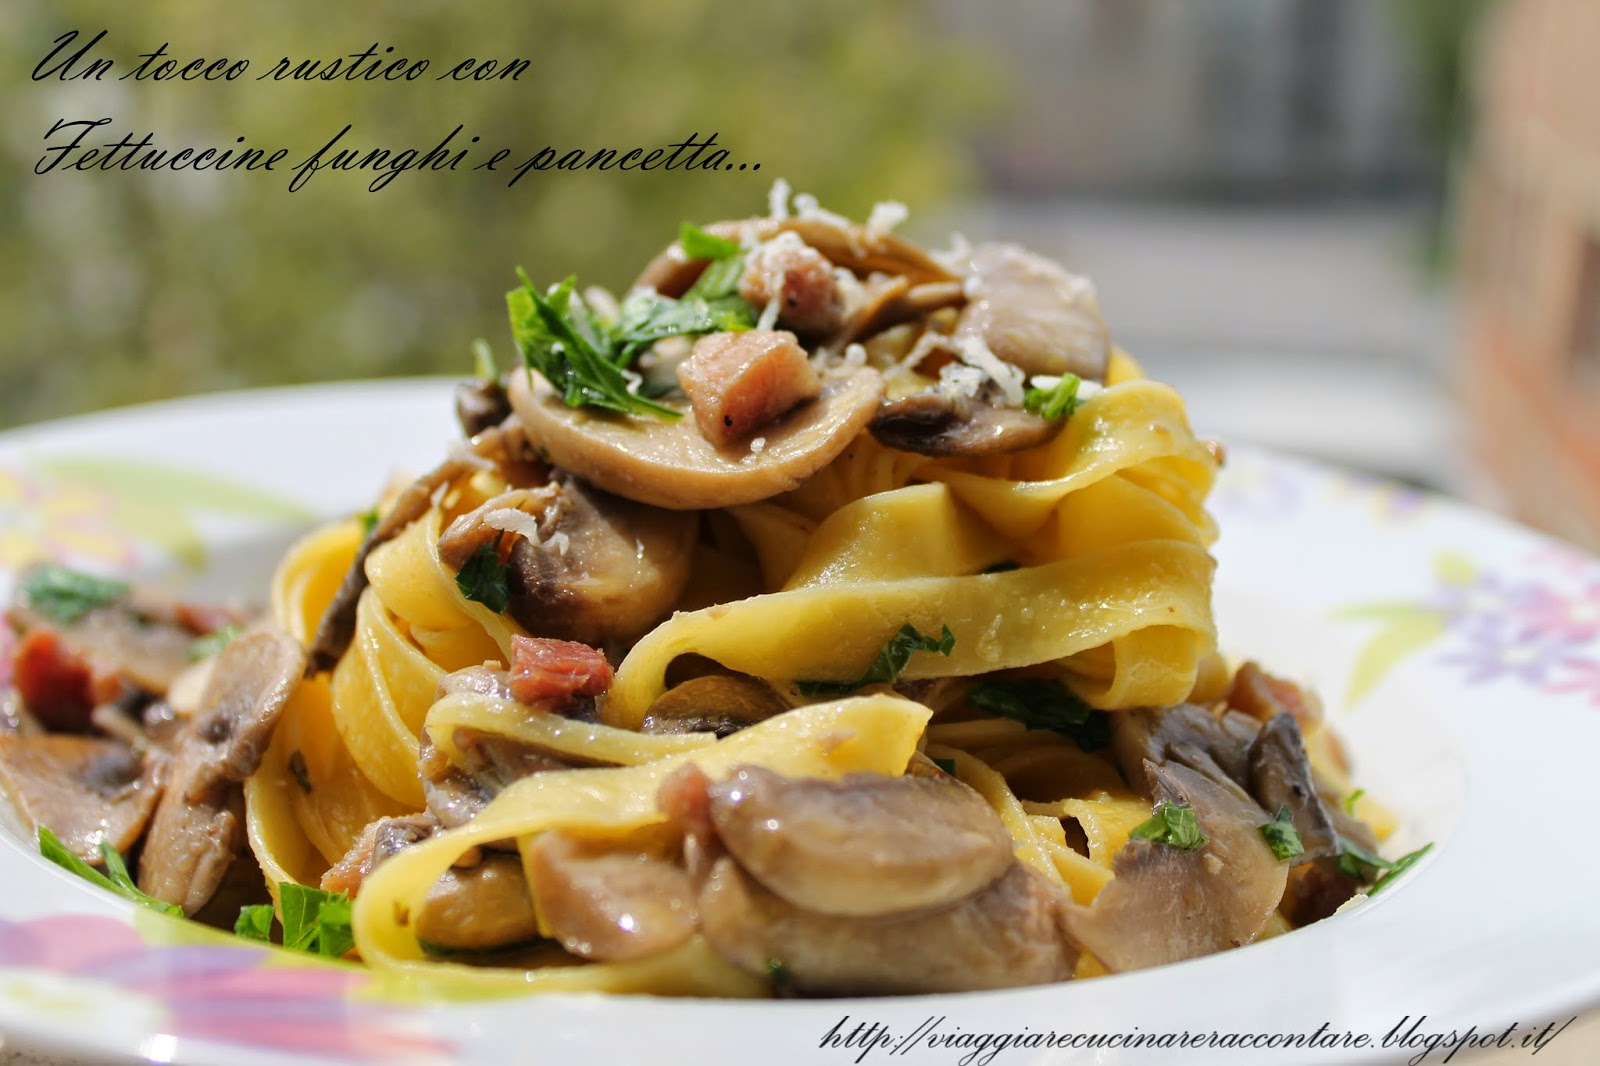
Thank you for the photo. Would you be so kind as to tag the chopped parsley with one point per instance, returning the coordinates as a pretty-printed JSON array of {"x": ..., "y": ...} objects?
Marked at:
[
  {"x": 1350, "y": 800},
  {"x": 891, "y": 660},
  {"x": 65, "y": 596},
  {"x": 369, "y": 522},
  {"x": 116, "y": 878},
  {"x": 211, "y": 645},
  {"x": 698, "y": 244},
  {"x": 782, "y": 977},
  {"x": 574, "y": 350},
  {"x": 483, "y": 365},
  {"x": 1040, "y": 703},
  {"x": 1282, "y": 837},
  {"x": 1174, "y": 825},
  {"x": 947, "y": 765},
  {"x": 1056, "y": 403},
  {"x": 314, "y": 922},
  {"x": 485, "y": 579},
  {"x": 1358, "y": 863},
  {"x": 1401, "y": 865}
]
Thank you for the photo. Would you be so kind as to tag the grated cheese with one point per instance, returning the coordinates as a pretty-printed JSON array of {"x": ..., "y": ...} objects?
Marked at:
[
  {"x": 460, "y": 451},
  {"x": 778, "y": 201},
  {"x": 758, "y": 445},
  {"x": 884, "y": 218},
  {"x": 560, "y": 542},
  {"x": 972, "y": 350},
  {"x": 855, "y": 355},
  {"x": 769, "y": 313},
  {"x": 958, "y": 381},
  {"x": 511, "y": 520}
]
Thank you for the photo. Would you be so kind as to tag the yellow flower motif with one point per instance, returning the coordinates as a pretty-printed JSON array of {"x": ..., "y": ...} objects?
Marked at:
[{"x": 66, "y": 523}]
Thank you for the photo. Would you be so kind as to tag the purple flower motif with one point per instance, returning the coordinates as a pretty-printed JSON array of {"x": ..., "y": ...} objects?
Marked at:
[
  {"x": 225, "y": 993},
  {"x": 1262, "y": 490},
  {"x": 1574, "y": 617},
  {"x": 1484, "y": 606},
  {"x": 1491, "y": 654}
]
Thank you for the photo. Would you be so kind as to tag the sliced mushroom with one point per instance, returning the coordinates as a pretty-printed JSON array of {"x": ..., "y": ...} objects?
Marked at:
[
  {"x": 1280, "y": 777},
  {"x": 932, "y": 423},
  {"x": 1187, "y": 733},
  {"x": 1166, "y": 903},
  {"x": 381, "y": 840},
  {"x": 609, "y": 905},
  {"x": 866, "y": 845},
  {"x": 606, "y": 569},
  {"x": 197, "y": 829},
  {"x": 715, "y": 703},
  {"x": 480, "y": 405},
  {"x": 1035, "y": 315},
  {"x": 1007, "y": 936},
  {"x": 478, "y": 908},
  {"x": 670, "y": 464},
  {"x": 88, "y": 791},
  {"x": 486, "y": 523},
  {"x": 844, "y": 243}
]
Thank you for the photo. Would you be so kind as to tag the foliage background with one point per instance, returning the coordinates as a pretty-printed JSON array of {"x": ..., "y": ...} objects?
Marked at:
[{"x": 122, "y": 287}]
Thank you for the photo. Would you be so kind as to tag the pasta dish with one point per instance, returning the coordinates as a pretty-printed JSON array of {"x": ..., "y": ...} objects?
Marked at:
[{"x": 825, "y": 616}]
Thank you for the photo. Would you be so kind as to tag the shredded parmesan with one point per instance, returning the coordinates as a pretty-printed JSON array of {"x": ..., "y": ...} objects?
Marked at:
[
  {"x": 758, "y": 445},
  {"x": 778, "y": 201},
  {"x": 884, "y": 218},
  {"x": 956, "y": 257},
  {"x": 855, "y": 355},
  {"x": 958, "y": 381},
  {"x": 560, "y": 542},
  {"x": 974, "y": 352},
  {"x": 806, "y": 206},
  {"x": 511, "y": 520},
  {"x": 769, "y": 313}
]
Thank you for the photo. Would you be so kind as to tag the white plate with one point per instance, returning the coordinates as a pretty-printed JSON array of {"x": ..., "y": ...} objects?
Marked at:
[{"x": 1459, "y": 657}]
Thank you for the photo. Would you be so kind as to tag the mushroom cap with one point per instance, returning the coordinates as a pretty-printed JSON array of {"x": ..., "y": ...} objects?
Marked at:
[{"x": 670, "y": 464}]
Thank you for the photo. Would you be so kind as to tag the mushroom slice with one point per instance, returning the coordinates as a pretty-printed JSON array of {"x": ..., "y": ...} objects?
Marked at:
[
  {"x": 716, "y": 703},
  {"x": 670, "y": 464},
  {"x": 931, "y": 423},
  {"x": 1166, "y": 904},
  {"x": 1280, "y": 777},
  {"x": 609, "y": 905},
  {"x": 1006, "y": 936},
  {"x": 197, "y": 829},
  {"x": 845, "y": 243},
  {"x": 1187, "y": 733},
  {"x": 478, "y": 908},
  {"x": 481, "y": 405},
  {"x": 1033, "y": 314},
  {"x": 605, "y": 570},
  {"x": 88, "y": 791},
  {"x": 865, "y": 845}
]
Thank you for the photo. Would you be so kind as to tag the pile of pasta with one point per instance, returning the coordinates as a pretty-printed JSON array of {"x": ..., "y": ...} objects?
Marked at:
[{"x": 1083, "y": 560}]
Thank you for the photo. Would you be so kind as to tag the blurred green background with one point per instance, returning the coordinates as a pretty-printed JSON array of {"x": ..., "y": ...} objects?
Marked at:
[
  {"x": 1259, "y": 189},
  {"x": 122, "y": 287}
]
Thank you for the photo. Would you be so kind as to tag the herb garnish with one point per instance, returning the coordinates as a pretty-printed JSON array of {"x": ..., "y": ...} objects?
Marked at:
[
  {"x": 211, "y": 645},
  {"x": 1056, "y": 403},
  {"x": 1040, "y": 703},
  {"x": 116, "y": 878},
  {"x": 780, "y": 974},
  {"x": 1401, "y": 865},
  {"x": 1174, "y": 825},
  {"x": 947, "y": 765},
  {"x": 484, "y": 579},
  {"x": 887, "y": 666},
  {"x": 369, "y": 522},
  {"x": 64, "y": 596},
  {"x": 1282, "y": 837},
  {"x": 575, "y": 351},
  {"x": 699, "y": 244},
  {"x": 314, "y": 922},
  {"x": 1350, "y": 800},
  {"x": 483, "y": 361}
]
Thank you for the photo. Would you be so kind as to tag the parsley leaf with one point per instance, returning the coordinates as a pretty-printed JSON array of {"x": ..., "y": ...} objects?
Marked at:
[
  {"x": 1350, "y": 800},
  {"x": 1360, "y": 864},
  {"x": 947, "y": 765},
  {"x": 369, "y": 522},
  {"x": 484, "y": 579},
  {"x": 314, "y": 921},
  {"x": 1173, "y": 824},
  {"x": 646, "y": 317},
  {"x": 255, "y": 922},
  {"x": 1282, "y": 837},
  {"x": 1401, "y": 865},
  {"x": 116, "y": 878},
  {"x": 891, "y": 660},
  {"x": 483, "y": 361},
  {"x": 561, "y": 339},
  {"x": 211, "y": 645},
  {"x": 1040, "y": 703},
  {"x": 698, "y": 244},
  {"x": 1057, "y": 403},
  {"x": 64, "y": 596}
]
